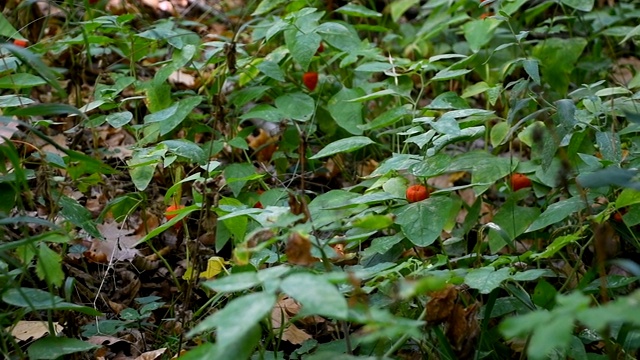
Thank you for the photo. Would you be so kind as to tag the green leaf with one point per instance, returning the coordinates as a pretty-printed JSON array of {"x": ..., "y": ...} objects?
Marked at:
[
  {"x": 448, "y": 74},
  {"x": 266, "y": 6},
  {"x": 373, "y": 222},
  {"x": 513, "y": 220},
  {"x": 119, "y": 119},
  {"x": 400, "y": 7},
  {"x": 187, "y": 149},
  {"x": 422, "y": 222},
  {"x": 78, "y": 215},
  {"x": 20, "y": 81},
  {"x": 236, "y": 176},
  {"x": 358, "y": 11},
  {"x": 582, "y": 5},
  {"x": 558, "y": 244},
  {"x": 317, "y": 295},
  {"x": 486, "y": 279},
  {"x": 558, "y": 57},
  {"x": 387, "y": 118},
  {"x": 612, "y": 175},
  {"x": 628, "y": 197},
  {"x": 52, "y": 347},
  {"x": 36, "y": 300},
  {"x": 343, "y": 145},
  {"x": 7, "y": 30},
  {"x": 235, "y": 320},
  {"x": 49, "y": 265},
  {"x": 304, "y": 47},
  {"x": 346, "y": 113},
  {"x": 531, "y": 67},
  {"x": 142, "y": 165},
  {"x": 555, "y": 335},
  {"x": 36, "y": 64},
  {"x": 479, "y": 32},
  {"x": 499, "y": 133},
  {"x": 339, "y": 36},
  {"x": 557, "y": 212},
  {"x": 172, "y": 116},
  {"x": 296, "y": 106},
  {"x": 233, "y": 282},
  {"x": 271, "y": 69}
]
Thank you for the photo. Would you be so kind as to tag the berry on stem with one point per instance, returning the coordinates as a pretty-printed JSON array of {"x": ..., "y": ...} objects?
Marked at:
[
  {"x": 417, "y": 193},
  {"x": 21, "y": 42},
  {"x": 168, "y": 214},
  {"x": 310, "y": 80},
  {"x": 519, "y": 181}
]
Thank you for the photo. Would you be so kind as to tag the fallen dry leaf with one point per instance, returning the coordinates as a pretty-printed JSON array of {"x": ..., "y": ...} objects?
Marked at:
[
  {"x": 117, "y": 246},
  {"x": 281, "y": 314},
  {"x": 152, "y": 355},
  {"x": 441, "y": 304},
  {"x": 298, "y": 250},
  {"x": 32, "y": 330}
]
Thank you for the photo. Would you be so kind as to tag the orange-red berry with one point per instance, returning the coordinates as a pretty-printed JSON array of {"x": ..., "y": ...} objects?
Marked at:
[
  {"x": 168, "y": 216},
  {"x": 20, "y": 42},
  {"x": 320, "y": 48},
  {"x": 519, "y": 181},
  {"x": 417, "y": 193},
  {"x": 310, "y": 80}
]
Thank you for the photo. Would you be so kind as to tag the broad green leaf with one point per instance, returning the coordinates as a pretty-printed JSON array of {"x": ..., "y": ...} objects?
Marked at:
[
  {"x": 36, "y": 300},
  {"x": 558, "y": 57},
  {"x": 304, "y": 47},
  {"x": 499, "y": 133},
  {"x": 343, "y": 145},
  {"x": 180, "y": 58},
  {"x": 486, "y": 279},
  {"x": 236, "y": 320},
  {"x": 78, "y": 215},
  {"x": 628, "y": 197},
  {"x": 36, "y": 64},
  {"x": 479, "y": 32},
  {"x": 448, "y": 74},
  {"x": 14, "y": 101},
  {"x": 612, "y": 175},
  {"x": 49, "y": 265},
  {"x": 7, "y": 30},
  {"x": 119, "y": 119},
  {"x": 358, "y": 11},
  {"x": 531, "y": 67},
  {"x": 514, "y": 220},
  {"x": 142, "y": 165},
  {"x": 339, "y": 36},
  {"x": 187, "y": 149},
  {"x": 52, "y": 347},
  {"x": 233, "y": 282},
  {"x": 373, "y": 222},
  {"x": 272, "y": 70},
  {"x": 555, "y": 335},
  {"x": 20, "y": 81},
  {"x": 610, "y": 146},
  {"x": 46, "y": 110},
  {"x": 296, "y": 106},
  {"x": 317, "y": 295},
  {"x": 558, "y": 244},
  {"x": 266, "y": 6},
  {"x": 557, "y": 212},
  {"x": 448, "y": 101},
  {"x": 236, "y": 176},
  {"x": 422, "y": 222},
  {"x": 346, "y": 113},
  {"x": 582, "y": 5},
  {"x": 172, "y": 116},
  {"x": 399, "y": 7},
  {"x": 387, "y": 118}
]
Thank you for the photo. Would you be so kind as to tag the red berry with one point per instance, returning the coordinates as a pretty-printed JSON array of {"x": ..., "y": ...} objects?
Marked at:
[
  {"x": 519, "y": 181},
  {"x": 417, "y": 193},
  {"x": 170, "y": 209},
  {"x": 310, "y": 80},
  {"x": 21, "y": 42},
  {"x": 320, "y": 48}
]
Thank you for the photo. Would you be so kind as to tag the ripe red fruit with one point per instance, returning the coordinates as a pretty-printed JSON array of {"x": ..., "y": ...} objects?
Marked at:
[
  {"x": 417, "y": 193},
  {"x": 320, "y": 48},
  {"x": 168, "y": 216},
  {"x": 20, "y": 42},
  {"x": 310, "y": 80},
  {"x": 519, "y": 181}
]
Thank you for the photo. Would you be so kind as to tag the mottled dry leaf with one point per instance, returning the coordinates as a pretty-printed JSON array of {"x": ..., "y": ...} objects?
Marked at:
[
  {"x": 32, "y": 330},
  {"x": 441, "y": 304},
  {"x": 181, "y": 78},
  {"x": 281, "y": 313},
  {"x": 59, "y": 139},
  {"x": 299, "y": 250},
  {"x": 117, "y": 246},
  {"x": 152, "y": 355},
  {"x": 462, "y": 329},
  {"x": 7, "y": 130}
]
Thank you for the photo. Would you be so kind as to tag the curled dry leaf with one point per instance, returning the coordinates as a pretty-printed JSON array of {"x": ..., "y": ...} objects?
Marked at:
[
  {"x": 298, "y": 250},
  {"x": 441, "y": 304},
  {"x": 281, "y": 314},
  {"x": 32, "y": 330}
]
